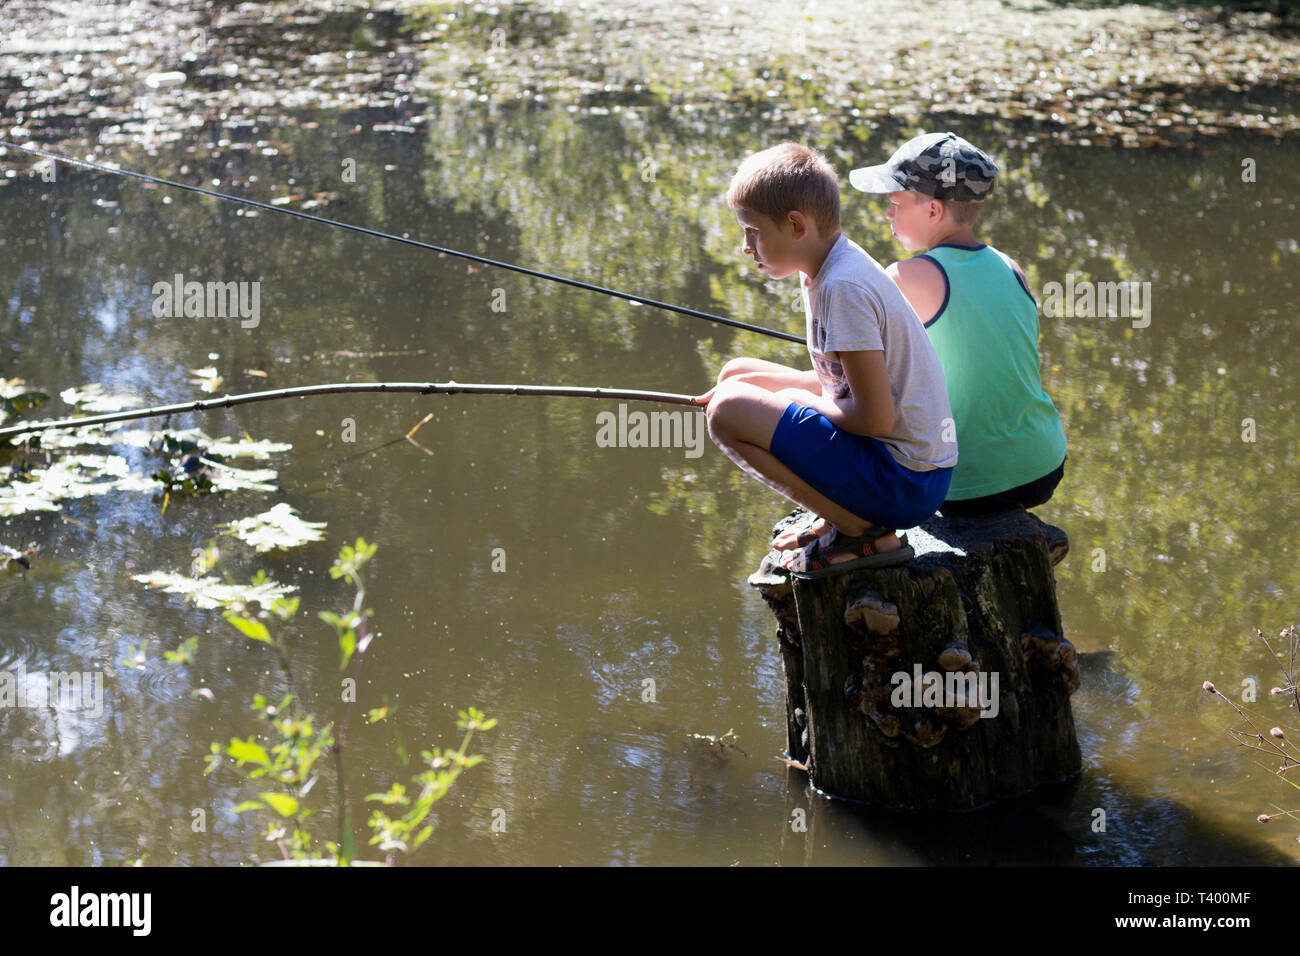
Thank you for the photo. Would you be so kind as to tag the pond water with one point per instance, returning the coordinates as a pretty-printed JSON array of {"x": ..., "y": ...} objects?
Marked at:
[{"x": 622, "y": 565}]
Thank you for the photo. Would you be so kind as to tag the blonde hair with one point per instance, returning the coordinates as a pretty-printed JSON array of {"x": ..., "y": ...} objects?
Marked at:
[{"x": 785, "y": 177}]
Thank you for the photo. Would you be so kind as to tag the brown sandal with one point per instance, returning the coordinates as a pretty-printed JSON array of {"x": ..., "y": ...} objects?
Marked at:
[{"x": 814, "y": 561}]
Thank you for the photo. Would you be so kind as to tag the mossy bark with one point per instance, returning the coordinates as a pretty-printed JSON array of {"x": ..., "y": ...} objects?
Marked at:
[{"x": 975, "y": 609}]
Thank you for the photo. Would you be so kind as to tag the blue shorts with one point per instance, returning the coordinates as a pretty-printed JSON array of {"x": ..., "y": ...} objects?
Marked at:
[{"x": 856, "y": 472}]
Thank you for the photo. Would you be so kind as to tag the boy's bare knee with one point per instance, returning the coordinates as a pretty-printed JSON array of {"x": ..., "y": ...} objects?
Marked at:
[
  {"x": 716, "y": 422},
  {"x": 725, "y": 404},
  {"x": 716, "y": 408}
]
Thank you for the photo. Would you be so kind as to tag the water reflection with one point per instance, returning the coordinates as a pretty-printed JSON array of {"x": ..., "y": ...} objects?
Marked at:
[{"x": 624, "y": 566}]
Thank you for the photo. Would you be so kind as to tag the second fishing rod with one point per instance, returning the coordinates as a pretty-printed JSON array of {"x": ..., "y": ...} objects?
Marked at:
[{"x": 404, "y": 240}]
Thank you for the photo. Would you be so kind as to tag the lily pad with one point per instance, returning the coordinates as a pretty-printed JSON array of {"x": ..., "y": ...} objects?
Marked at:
[
  {"x": 193, "y": 439},
  {"x": 226, "y": 478},
  {"x": 81, "y": 475},
  {"x": 245, "y": 447},
  {"x": 210, "y": 592},
  {"x": 74, "y": 476},
  {"x": 193, "y": 475},
  {"x": 278, "y": 528},
  {"x": 93, "y": 398},
  {"x": 71, "y": 438},
  {"x": 187, "y": 440}
]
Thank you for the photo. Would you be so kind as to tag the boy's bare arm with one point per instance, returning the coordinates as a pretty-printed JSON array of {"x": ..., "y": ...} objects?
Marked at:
[
  {"x": 774, "y": 380},
  {"x": 869, "y": 408},
  {"x": 922, "y": 284}
]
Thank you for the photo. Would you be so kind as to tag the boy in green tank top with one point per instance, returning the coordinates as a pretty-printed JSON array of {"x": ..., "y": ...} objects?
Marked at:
[{"x": 982, "y": 321}]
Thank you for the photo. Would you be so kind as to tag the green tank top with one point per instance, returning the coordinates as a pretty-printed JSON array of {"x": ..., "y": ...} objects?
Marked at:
[{"x": 986, "y": 335}]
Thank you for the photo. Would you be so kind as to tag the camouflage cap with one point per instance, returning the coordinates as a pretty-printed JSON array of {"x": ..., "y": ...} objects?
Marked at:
[{"x": 942, "y": 165}]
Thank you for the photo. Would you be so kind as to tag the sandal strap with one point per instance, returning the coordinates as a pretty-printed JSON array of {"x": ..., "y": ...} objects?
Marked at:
[{"x": 817, "y": 555}]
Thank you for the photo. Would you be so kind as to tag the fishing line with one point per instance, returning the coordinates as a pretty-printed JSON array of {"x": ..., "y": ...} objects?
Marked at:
[
  {"x": 578, "y": 283},
  {"x": 422, "y": 388}
]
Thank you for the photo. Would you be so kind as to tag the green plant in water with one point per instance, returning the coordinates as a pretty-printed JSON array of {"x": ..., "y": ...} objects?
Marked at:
[
  {"x": 409, "y": 831},
  {"x": 288, "y": 765},
  {"x": 1275, "y": 743}
]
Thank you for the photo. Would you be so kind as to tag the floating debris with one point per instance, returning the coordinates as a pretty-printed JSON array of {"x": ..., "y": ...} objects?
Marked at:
[
  {"x": 722, "y": 744},
  {"x": 171, "y": 78},
  {"x": 206, "y": 379},
  {"x": 16, "y": 398},
  {"x": 11, "y": 557}
]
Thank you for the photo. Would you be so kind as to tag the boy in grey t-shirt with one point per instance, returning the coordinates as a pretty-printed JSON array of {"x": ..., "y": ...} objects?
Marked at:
[{"x": 865, "y": 440}]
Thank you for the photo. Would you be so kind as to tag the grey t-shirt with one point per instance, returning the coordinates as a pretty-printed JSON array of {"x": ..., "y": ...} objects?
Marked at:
[{"x": 851, "y": 305}]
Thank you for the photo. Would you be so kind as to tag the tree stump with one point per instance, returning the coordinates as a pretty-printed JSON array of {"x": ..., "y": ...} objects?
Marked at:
[{"x": 940, "y": 684}]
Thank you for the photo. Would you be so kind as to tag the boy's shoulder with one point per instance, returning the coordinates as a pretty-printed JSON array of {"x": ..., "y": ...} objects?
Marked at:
[
  {"x": 923, "y": 276},
  {"x": 923, "y": 283},
  {"x": 919, "y": 268}
]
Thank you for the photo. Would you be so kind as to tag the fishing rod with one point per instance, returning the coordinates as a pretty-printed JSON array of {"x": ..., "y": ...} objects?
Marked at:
[
  {"x": 422, "y": 388},
  {"x": 578, "y": 283}
]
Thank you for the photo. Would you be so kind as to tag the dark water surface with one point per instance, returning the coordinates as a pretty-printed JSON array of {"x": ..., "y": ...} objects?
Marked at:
[{"x": 624, "y": 564}]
